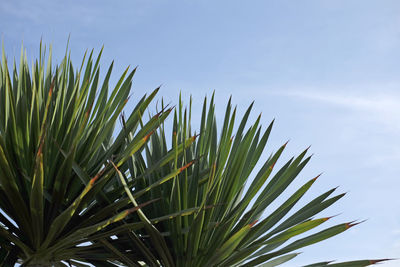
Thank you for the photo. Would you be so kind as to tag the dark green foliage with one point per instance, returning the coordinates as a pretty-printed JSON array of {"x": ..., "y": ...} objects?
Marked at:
[
  {"x": 57, "y": 146},
  {"x": 73, "y": 190},
  {"x": 231, "y": 226}
]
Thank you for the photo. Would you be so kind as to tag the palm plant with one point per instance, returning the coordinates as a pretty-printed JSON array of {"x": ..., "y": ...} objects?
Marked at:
[
  {"x": 231, "y": 226},
  {"x": 58, "y": 150},
  {"x": 75, "y": 191}
]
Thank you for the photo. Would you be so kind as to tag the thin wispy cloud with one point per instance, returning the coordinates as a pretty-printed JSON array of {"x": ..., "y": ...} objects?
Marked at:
[{"x": 383, "y": 107}]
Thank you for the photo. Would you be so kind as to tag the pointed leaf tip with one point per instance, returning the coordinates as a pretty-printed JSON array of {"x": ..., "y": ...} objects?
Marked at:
[
  {"x": 40, "y": 150},
  {"x": 273, "y": 165},
  {"x": 284, "y": 145},
  {"x": 379, "y": 260},
  {"x": 162, "y": 111},
  {"x": 87, "y": 113},
  {"x": 128, "y": 211},
  {"x": 253, "y": 223},
  {"x": 195, "y": 136},
  {"x": 158, "y": 114},
  {"x": 353, "y": 223},
  {"x": 186, "y": 166},
  {"x": 330, "y": 217},
  {"x": 148, "y": 136},
  {"x": 94, "y": 179},
  {"x": 316, "y": 177},
  {"x": 51, "y": 87}
]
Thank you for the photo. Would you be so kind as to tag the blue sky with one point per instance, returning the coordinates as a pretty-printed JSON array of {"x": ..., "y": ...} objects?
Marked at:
[{"x": 328, "y": 71}]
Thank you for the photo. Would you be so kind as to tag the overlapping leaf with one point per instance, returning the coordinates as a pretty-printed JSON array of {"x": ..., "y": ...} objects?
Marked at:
[
  {"x": 58, "y": 188},
  {"x": 233, "y": 226},
  {"x": 75, "y": 190}
]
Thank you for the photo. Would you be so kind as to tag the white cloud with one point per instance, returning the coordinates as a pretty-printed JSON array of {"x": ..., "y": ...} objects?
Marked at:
[
  {"x": 396, "y": 232},
  {"x": 383, "y": 106}
]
